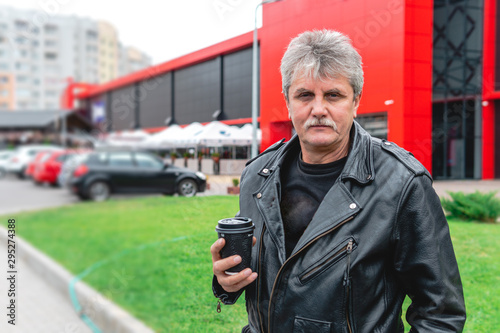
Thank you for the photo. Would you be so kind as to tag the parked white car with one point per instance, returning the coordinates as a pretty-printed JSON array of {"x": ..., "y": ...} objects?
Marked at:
[
  {"x": 4, "y": 157},
  {"x": 18, "y": 162}
]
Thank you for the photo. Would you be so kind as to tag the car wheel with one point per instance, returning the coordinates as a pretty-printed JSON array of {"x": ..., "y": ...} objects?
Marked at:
[
  {"x": 2, "y": 173},
  {"x": 187, "y": 188},
  {"x": 21, "y": 175},
  {"x": 99, "y": 191}
]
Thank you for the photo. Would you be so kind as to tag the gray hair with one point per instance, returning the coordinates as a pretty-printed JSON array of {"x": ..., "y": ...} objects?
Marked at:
[{"x": 324, "y": 54}]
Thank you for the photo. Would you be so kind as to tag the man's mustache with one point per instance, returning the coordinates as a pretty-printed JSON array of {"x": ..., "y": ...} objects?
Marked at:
[{"x": 320, "y": 122}]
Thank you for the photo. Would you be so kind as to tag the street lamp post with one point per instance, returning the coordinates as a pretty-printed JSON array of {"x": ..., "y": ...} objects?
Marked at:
[{"x": 255, "y": 95}]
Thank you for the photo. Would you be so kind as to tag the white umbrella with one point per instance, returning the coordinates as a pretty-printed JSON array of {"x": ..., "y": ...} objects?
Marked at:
[
  {"x": 185, "y": 138},
  {"x": 215, "y": 134},
  {"x": 163, "y": 138},
  {"x": 243, "y": 136}
]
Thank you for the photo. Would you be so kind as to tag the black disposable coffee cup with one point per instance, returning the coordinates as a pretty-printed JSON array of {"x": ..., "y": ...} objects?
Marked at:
[{"x": 238, "y": 233}]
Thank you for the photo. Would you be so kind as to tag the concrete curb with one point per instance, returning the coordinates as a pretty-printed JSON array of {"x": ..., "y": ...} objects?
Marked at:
[{"x": 106, "y": 315}]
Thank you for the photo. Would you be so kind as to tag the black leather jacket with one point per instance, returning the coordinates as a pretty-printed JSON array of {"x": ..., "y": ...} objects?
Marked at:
[{"x": 379, "y": 234}]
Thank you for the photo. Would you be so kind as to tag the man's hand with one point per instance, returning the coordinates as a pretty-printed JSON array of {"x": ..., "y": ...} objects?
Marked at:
[{"x": 230, "y": 283}]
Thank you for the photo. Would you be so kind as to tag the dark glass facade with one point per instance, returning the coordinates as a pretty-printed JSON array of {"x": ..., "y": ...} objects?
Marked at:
[
  {"x": 457, "y": 82},
  {"x": 216, "y": 89},
  {"x": 197, "y": 92},
  {"x": 155, "y": 101},
  {"x": 237, "y": 85},
  {"x": 123, "y": 108}
]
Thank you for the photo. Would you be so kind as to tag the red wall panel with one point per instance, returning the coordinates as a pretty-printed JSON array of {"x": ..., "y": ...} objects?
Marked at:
[
  {"x": 395, "y": 41},
  {"x": 489, "y": 53}
]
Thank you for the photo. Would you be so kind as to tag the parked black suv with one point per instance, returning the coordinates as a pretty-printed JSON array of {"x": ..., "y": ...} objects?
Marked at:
[{"x": 101, "y": 173}]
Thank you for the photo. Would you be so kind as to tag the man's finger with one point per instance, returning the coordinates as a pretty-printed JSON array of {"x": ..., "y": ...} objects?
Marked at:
[
  {"x": 215, "y": 249},
  {"x": 222, "y": 265}
]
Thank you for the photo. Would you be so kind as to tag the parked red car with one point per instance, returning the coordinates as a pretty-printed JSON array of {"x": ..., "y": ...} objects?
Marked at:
[
  {"x": 30, "y": 168},
  {"x": 47, "y": 170}
]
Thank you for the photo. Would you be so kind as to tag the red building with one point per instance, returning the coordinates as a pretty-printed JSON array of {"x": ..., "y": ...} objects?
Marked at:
[{"x": 430, "y": 79}]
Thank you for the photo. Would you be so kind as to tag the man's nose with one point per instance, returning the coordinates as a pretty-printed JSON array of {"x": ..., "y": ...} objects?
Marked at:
[{"x": 319, "y": 107}]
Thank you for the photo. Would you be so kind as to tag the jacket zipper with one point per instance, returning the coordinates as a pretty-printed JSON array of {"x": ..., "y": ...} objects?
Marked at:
[
  {"x": 258, "y": 279},
  {"x": 332, "y": 257},
  {"x": 284, "y": 264},
  {"x": 347, "y": 283}
]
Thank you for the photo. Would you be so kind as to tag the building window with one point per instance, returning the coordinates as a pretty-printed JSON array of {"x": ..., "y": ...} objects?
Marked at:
[
  {"x": 21, "y": 25},
  {"x": 22, "y": 79},
  {"x": 50, "y": 55},
  {"x": 91, "y": 34},
  {"x": 50, "y": 42},
  {"x": 374, "y": 123},
  {"x": 50, "y": 29},
  {"x": 23, "y": 93}
]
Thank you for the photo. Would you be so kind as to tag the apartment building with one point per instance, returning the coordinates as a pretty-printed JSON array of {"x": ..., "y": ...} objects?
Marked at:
[{"x": 42, "y": 52}]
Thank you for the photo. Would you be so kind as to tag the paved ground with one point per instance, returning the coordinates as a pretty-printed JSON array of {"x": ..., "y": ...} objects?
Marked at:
[
  {"x": 42, "y": 309},
  {"x": 22, "y": 195},
  {"x": 467, "y": 186},
  {"x": 39, "y": 308}
]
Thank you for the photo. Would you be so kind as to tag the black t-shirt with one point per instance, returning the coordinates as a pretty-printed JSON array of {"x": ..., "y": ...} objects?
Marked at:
[{"x": 303, "y": 188}]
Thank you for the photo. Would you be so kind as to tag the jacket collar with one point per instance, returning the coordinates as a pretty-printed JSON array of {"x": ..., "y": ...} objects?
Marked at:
[{"x": 359, "y": 164}]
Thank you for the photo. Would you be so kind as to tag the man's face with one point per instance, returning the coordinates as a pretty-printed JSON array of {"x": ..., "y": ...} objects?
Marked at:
[{"x": 322, "y": 112}]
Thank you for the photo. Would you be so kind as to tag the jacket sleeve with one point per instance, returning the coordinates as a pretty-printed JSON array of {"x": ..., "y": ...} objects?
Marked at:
[
  {"x": 425, "y": 261},
  {"x": 225, "y": 297}
]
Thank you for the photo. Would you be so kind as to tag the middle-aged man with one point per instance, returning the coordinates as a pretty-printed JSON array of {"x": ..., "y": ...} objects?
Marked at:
[{"x": 346, "y": 225}]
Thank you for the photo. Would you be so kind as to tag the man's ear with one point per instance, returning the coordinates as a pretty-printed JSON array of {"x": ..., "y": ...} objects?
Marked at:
[{"x": 356, "y": 105}]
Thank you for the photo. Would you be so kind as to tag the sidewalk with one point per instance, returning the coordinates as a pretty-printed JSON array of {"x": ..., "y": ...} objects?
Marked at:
[
  {"x": 39, "y": 308},
  {"x": 466, "y": 186},
  {"x": 40, "y": 291}
]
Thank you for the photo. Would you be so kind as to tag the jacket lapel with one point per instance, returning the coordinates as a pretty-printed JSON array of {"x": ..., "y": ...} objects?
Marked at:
[{"x": 267, "y": 199}]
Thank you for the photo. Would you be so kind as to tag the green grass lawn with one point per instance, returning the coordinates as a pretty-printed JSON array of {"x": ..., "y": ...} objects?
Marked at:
[{"x": 151, "y": 256}]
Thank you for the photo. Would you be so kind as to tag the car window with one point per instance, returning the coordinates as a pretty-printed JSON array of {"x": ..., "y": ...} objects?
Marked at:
[
  {"x": 97, "y": 158},
  {"x": 121, "y": 160},
  {"x": 147, "y": 161},
  {"x": 5, "y": 156}
]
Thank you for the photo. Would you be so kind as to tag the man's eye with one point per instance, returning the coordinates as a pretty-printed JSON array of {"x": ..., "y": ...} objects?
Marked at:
[{"x": 304, "y": 94}]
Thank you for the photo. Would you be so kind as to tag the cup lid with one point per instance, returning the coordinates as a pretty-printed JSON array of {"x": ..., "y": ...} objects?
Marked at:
[{"x": 235, "y": 223}]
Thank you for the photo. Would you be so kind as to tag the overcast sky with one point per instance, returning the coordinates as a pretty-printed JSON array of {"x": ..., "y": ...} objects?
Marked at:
[{"x": 163, "y": 29}]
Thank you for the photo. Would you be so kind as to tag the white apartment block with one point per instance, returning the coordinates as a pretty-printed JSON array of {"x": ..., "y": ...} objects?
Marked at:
[
  {"x": 40, "y": 52},
  {"x": 132, "y": 60}
]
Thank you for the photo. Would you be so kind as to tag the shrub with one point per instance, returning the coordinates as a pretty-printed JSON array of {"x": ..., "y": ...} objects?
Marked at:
[
  {"x": 477, "y": 206},
  {"x": 236, "y": 182}
]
